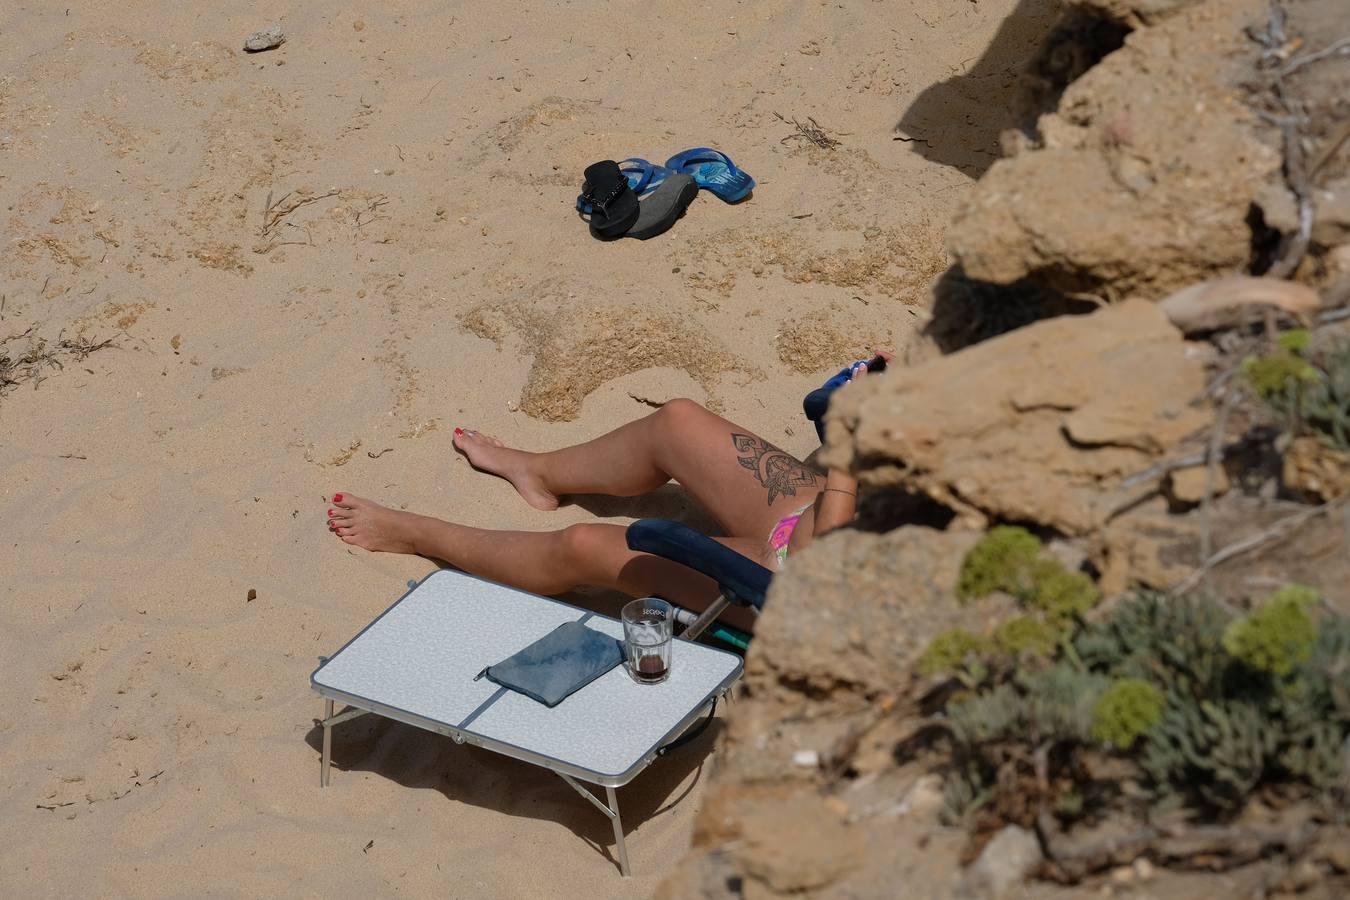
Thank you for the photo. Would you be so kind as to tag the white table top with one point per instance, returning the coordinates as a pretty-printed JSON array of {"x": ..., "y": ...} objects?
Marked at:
[{"x": 417, "y": 662}]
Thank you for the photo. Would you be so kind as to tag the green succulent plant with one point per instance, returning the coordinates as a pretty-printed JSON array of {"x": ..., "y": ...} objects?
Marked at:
[
  {"x": 1008, "y": 559},
  {"x": 1060, "y": 594},
  {"x": 1295, "y": 340},
  {"x": 1029, "y": 636},
  {"x": 1278, "y": 636},
  {"x": 1310, "y": 391},
  {"x": 1000, "y": 561},
  {"x": 1126, "y": 710},
  {"x": 1276, "y": 373},
  {"x": 951, "y": 650},
  {"x": 1203, "y": 706}
]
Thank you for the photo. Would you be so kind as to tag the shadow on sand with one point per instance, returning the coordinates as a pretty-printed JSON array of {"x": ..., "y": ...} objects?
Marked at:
[
  {"x": 1037, "y": 52},
  {"x": 957, "y": 122},
  {"x": 967, "y": 311},
  {"x": 413, "y": 758}
]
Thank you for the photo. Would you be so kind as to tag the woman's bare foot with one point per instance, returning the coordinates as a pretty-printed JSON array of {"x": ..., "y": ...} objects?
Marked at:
[
  {"x": 366, "y": 524},
  {"x": 491, "y": 455}
]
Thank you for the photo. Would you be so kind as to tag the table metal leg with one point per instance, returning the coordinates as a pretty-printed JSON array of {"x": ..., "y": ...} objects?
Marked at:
[
  {"x": 618, "y": 831},
  {"x": 329, "y": 720},
  {"x": 328, "y": 742},
  {"x": 610, "y": 809}
]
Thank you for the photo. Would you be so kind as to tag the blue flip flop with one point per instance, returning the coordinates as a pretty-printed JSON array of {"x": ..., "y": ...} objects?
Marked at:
[
  {"x": 713, "y": 171},
  {"x": 642, "y": 177}
]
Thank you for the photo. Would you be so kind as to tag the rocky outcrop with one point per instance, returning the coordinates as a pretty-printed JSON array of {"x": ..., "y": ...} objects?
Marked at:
[
  {"x": 1146, "y": 184},
  {"x": 833, "y": 650},
  {"x": 1038, "y": 425},
  {"x": 1145, "y": 173},
  {"x": 1316, "y": 470}
]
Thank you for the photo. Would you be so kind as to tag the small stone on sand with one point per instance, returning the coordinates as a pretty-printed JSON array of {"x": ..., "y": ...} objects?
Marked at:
[{"x": 265, "y": 40}]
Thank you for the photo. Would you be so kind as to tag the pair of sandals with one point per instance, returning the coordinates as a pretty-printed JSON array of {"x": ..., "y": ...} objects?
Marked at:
[{"x": 610, "y": 194}]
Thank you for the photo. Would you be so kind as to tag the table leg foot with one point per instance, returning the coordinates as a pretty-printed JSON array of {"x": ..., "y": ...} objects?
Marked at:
[{"x": 327, "y": 742}]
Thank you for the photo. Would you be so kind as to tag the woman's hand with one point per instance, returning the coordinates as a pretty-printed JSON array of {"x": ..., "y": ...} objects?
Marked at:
[
  {"x": 837, "y": 502},
  {"x": 859, "y": 370}
]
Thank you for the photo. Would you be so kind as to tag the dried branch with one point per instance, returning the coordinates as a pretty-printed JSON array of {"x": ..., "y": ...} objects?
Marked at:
[
  {"x": 1163, "y": 468},
  {"x": 1219, "y": 847},
  {"x": 1299, "y": 62},
  {"x": 276, "y": 213},
  {"x": 1329, "y": 149},
  {"x": 1294, "y": 246},
  {"x": 1211, "y": 847},
  {"x": 373, "y": 207},
  {"x": 1276, "y": 532},
  {"x": 810, "y": 132},
  {"x": 39, "y": 357},
  {"x": 1213, "y": 453}
]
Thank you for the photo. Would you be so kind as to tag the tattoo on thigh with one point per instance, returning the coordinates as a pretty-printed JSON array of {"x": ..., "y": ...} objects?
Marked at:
[{"x": 773, "y": 468}]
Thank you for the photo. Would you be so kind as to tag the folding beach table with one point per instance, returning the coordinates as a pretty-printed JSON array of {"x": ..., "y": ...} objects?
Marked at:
[{"x": 416, "y": 663}]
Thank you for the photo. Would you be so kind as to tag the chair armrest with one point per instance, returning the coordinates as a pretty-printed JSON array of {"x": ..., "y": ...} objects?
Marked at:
[{"x": 741, "y": 579}]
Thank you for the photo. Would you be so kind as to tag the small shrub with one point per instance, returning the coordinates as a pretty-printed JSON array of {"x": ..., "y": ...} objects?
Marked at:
[
  {"x": 1027, "y": 636},
  {"x": 1310, "y": 391},
  {"x": 1176, "y": 643},
  {"x": 1271, "y": 376},
  {"x": 1204, "y": 709},
  {"x": 994, "y": 715},
  {"x": 1325, "y": 406},
  {"x": 1000, "y": 561},
  {"x": 1213, "y": 751},
  {"x": 1278, "y": 636},
  {"x": 1008, "y": 559},
  {"x": 950, "y": 651},
  {"x": 1060, "y": 594},
  {"x": 1296, "y": 340},
  {"x": 1125, "y": 711},
  {"x": 1059, "y": 701}
]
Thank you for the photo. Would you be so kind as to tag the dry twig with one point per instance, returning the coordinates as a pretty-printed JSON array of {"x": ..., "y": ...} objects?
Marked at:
[
  {"x": 1277, "y": 532},
  {"x": 276, "y": 213},
  {"x": 373, "y": 209},
  {"x": 1296, "y": 176},
  {"x": 810, "y": 131},
  {"x": 1165, "y": 467},
  {"x": 1213, "y": 453},
  {"x": 1299, "y": 62},
  {"x": 1329, "y": 149},
  {"x": 1211, "y": 847},
  {"x": 40, "y": 356}
]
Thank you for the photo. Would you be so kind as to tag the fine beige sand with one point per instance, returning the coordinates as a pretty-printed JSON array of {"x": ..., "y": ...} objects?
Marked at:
[{"x": 315, "y": 262}]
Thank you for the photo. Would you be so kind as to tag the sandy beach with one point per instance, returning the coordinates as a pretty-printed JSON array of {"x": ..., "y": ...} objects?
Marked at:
[{"x": 313, "y": 263}]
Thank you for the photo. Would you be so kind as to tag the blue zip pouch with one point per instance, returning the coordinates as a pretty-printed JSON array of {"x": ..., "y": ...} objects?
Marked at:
[{"x": 557, "y": 665}]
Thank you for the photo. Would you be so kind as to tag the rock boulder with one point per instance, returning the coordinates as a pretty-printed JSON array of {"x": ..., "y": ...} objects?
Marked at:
[{"x": 1039, "y": 425}]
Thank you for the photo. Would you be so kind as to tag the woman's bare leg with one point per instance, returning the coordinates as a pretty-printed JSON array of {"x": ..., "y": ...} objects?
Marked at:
[
  {"x": 745, "y": 482},
  {"x": 544, "y": 562}
]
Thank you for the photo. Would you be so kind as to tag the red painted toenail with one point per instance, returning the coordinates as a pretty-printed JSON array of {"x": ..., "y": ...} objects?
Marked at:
[
  {"x": 331, "y": 513},
  {"x": 337, "y": 498},
  {"x": 459, "y": 431}
]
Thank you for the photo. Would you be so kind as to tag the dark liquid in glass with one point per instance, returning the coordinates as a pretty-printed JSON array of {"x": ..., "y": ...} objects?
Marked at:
[{"x": 650, "y": 668}]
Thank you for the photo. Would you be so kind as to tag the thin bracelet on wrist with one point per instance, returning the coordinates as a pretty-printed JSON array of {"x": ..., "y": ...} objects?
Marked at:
[{"x": 840, "y": 491}]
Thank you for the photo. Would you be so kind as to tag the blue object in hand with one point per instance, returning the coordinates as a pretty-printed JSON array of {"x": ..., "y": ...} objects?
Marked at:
[{"x": 817, "y": 402}]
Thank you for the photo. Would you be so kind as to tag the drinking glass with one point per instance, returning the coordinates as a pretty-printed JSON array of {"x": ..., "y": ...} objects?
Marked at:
[{"x": 648, "y": 637}]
